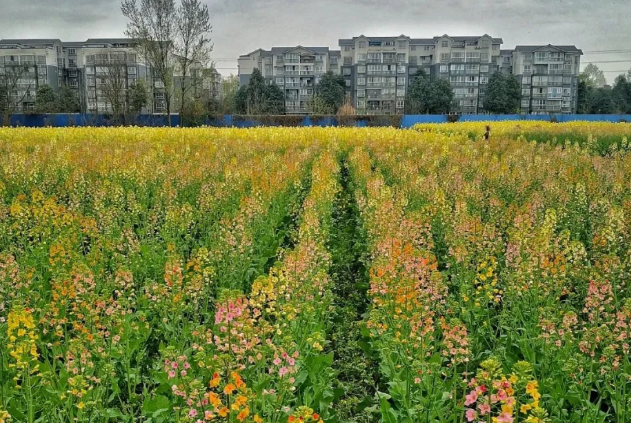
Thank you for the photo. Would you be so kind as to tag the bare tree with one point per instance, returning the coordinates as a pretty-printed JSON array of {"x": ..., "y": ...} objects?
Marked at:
[
  {"x": 153, "y": 25},
  {"x": 13, "y": 88},
  {"x": 192, "y": 44},
  {"x": 113, "y": 83}
]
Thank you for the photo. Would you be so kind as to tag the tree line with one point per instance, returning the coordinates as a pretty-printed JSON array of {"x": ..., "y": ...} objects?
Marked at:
[{"x": 596, "y": 97}]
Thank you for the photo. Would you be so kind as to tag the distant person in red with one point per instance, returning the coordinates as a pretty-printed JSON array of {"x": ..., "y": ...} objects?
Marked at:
[{"x": 487, "y": 134}]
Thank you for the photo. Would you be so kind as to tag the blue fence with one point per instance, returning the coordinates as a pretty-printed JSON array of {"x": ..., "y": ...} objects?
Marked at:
[{"x": 407, "y": 121}]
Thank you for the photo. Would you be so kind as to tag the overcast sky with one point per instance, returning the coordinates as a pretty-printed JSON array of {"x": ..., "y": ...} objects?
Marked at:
[{"x": 240, "y": 26}]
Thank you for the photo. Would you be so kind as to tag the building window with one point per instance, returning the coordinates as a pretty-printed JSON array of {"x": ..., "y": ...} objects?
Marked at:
[
  {"x": 527, "y": 68},
  {"x": 388, "y": 44},
  {"x": 73, "y": 83},
  {"x": 400, "y": 69},
  {"x": 400, "y": 92},
  {"x": 72, "y": 74},
  {"x": 444, "y": 68},
  {"x": 413, "y": 71},
  {"x": 72, "y": 51},
  {"x": 444, "y": 57},
  {"x": 346, "y": 71},
  {"x": 400, "y": 57},
  {"x": 361, "y": 81},
  {"x": 347, "y": 48},
  {"x": 279, "y": 81},
  {"x": 525, "y": 103},
  {"x": 445, "y": 44},
  {"x": 496, "y": 47},
  {"x": 334, "y": 61},
  {"x": 525, "y": 91},
  {"x": 413, "y": 48},
  {"x": 400, "y": 104},
  {"x": 361, "y": 93},
  {"x": 347, "y": 82},
  {"x": 402, "y": 44},
  {"x": 400, "y": 81},
  {"x": 361, "y": 69},
  {"x": 348, "y": 60},
  {"x": 484, "y": 68},
  {"x": 362, "y": 44},
  {"x": 525, "y": 80},
  {"x": 484, "y": 80}
]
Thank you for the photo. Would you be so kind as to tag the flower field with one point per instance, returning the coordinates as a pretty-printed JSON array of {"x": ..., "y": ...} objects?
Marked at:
[{"x": 313, "y": 275}]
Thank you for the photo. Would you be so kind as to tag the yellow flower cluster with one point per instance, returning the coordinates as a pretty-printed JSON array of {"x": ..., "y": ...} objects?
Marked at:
[{"x": 22, "y": 339}]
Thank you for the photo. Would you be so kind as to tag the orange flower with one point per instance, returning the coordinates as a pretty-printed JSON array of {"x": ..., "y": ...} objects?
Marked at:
[
  {"x": 257, "y": 419},
  {"x": 229, "y": 389},
  {"x": 243, "y": 414},
  {"x": 315, "y": 416},
  {"x": 241, "y": 400},
  {"x": 213, "y": 398},
  {"x": 214, "y": 382},
  {"x": 291, "y": 419},
  {"x": 223, "y": 411}
]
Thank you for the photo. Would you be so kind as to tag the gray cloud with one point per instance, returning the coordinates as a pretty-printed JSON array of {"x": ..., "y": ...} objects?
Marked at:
[{"x": 240, "y": 26}]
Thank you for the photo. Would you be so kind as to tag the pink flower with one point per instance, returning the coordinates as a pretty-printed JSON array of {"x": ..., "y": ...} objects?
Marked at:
[
  {"x": 183, "y": 373},
  {"x": 471, "y": 398},
  {"x": 187, "y": 366},
  {"x": 174, "y": 365},
  {"x": 283, "y": 371},
  {"x": 277, "y": 361},
  {"x": 471, "y": 414},
  {"x": 192, "y": 413},
  {"x": 501, "y": 395},
  {"x": 484, "y": 408},
  {"x": 417, "y": 380},
  {"x": 505, "y": 418},
  {"x": 171, "y": 374}
]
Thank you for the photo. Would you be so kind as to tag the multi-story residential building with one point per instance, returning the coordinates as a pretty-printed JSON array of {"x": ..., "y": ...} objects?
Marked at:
[
  {"x": 378, "y": 70},
  {"x": 296, "y": 70},
  {"x": 26, "y": 65},
  {"x": 549, "y": 77},
  {"x": 99, "y": 71}
]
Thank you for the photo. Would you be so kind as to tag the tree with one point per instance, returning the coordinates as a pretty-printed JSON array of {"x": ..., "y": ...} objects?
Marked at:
[
  {"x": 330, "y": 93},
  {"x": 273, "y": 100},
  {"x": 153, "y": 25},
  {"x": 318, "y": 106},
  {"x": 137, "y": 97},
  {"x": 192, "y": 46},
  {"x": 441, "y": 97},
  {"x": 621, "y": 93},
  {"x": 67, "y": 101},
  {"x": 584, "y": 93},
  {"x": 503, "y": 94},
  {"x": 601, "y": 101},
  {"x": 13, "y": 89},
  {"x": 229, "y": 89},
  {"x": 46, "y": 100},
  {"x": 428, "y": 96},
  {"x": 241, "y": 100},
  {"x": 113, "y": 83},
  {"x": 593, "y": 76}
]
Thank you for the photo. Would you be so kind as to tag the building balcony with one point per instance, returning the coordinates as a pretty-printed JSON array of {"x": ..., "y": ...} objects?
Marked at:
[
  {"x": 292, "y": 72},
  {"x": 292, "y": 84},
  {"x": 539, "y": 95},
  {"x": 292, "y": 60},
  {"x": 382, "y": 72},
  {"x": 556, "y": 72},
  {"x": 307, "y": 72}
]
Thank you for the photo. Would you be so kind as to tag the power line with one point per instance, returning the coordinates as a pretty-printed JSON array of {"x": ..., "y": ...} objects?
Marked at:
[{"x": 610, "y": 61}]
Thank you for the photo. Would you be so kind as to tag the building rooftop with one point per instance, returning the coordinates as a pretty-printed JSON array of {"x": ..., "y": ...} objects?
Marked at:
[
  {"x": 567, "y": 49},
  {"x": 470, "y": 38},
  {"x": 32, "y": 42}
]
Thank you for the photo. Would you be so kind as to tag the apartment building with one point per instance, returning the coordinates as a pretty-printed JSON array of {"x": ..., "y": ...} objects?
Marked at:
[
  {"x": 549, "y": 77},
  {"x": 28, "y": 64},
  {"x": 296, "y": 70},
  {"x": 378, "y": 70},
  {"x": 99, "y": 71}
]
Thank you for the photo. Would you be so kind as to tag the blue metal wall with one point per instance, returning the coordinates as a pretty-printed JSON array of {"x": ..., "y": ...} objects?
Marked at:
[{"x": 407, "y": 121}]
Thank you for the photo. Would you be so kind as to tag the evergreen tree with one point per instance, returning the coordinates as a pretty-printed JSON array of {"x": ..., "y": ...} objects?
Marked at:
[
  {"x": 46, "y": 100},
  {"x": 503, "y": 94}
]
